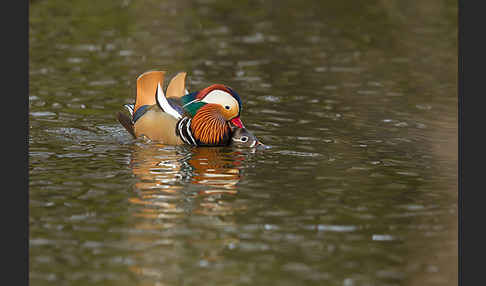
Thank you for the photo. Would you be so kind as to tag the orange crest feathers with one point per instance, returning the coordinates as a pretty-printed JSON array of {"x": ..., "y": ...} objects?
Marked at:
[{"x": 146, "y": 88}]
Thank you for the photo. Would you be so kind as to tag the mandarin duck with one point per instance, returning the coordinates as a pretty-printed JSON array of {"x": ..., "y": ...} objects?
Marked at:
[{"x": 209, "y": 117}]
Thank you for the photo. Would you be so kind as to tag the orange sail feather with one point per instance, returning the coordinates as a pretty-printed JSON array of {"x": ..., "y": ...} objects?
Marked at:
[{"x": 146, "y": 88}]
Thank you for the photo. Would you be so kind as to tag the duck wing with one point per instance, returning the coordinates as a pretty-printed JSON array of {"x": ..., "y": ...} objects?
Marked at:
[
  {"x": 177, "y": 86},
  {"x": 164, "y": 104},
  {"x": 147, "y": 87}
]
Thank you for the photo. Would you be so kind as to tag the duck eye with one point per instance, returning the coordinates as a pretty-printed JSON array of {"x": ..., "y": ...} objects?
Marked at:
[
  {"x": 227, "y": 107},
  {"x": 244, "y": 139}
]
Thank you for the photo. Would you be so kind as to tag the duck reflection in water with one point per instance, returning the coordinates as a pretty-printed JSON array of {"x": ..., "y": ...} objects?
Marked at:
[
  {"x": 168, "y": 175},
  {"x": 182, "y": 192}
]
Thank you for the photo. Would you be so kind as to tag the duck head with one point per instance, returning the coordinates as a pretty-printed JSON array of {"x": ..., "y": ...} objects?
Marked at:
[
  {"x": 242, "y": 137},
  {"x": 228, "y": 101},
  {"x": 215, "y": 113}
]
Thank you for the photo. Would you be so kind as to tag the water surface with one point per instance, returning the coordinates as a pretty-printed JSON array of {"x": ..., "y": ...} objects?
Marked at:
[{"x": 358, "y": 102}]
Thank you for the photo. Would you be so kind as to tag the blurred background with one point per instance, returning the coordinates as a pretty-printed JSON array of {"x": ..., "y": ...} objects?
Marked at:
[{"x": 356, "y": 99}]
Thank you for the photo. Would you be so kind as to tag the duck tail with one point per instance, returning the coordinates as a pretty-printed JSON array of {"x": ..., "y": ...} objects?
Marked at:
[{"x": 126, "y": 121}]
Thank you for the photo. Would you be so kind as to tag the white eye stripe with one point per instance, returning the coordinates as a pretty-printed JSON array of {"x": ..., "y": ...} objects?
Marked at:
[
  {"x": 221, "y": 97},
  {"x": 241, "y": 140}
]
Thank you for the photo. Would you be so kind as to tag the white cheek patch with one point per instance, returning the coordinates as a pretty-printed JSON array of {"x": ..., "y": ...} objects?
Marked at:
[{"x": 222, "y": 98}]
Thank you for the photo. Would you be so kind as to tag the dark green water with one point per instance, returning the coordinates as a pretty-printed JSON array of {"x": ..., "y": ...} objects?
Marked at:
[{"x": 358, "y": 101}]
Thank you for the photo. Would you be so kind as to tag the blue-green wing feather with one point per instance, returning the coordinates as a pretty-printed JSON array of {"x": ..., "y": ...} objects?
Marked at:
[
  {"x": 192, "y": 108},
  {"x": 190, "y": 104},
  {"x": 188, "y": 97}
]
